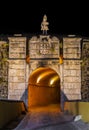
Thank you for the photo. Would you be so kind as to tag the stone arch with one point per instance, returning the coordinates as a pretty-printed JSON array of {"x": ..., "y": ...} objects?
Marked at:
[{"x": 44, "y": 87}]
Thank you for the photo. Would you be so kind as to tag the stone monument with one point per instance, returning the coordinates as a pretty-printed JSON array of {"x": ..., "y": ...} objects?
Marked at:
[{"x": 44, "y": 25}]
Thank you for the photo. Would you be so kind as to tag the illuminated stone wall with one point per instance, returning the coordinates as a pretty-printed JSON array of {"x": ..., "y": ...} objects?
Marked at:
[
  {"x": 72, "y": 68},
  {"x": 45, "y": 51},
  {"x": 17, "y": 68}
]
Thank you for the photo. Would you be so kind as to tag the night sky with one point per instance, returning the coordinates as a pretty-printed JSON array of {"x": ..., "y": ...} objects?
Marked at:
[{"x": 26, "y": 17}]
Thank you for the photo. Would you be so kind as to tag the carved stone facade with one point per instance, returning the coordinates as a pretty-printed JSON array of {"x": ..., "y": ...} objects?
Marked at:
[{"x": 45, "y": 51}]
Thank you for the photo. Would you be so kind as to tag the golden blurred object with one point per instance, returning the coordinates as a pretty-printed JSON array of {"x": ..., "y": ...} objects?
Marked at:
[
  {"x": 43, "y": 88},
  {"x": 61, "y": 59},
  {"x": 44, "y": 76},
  {"x": 27, "y": 59}
]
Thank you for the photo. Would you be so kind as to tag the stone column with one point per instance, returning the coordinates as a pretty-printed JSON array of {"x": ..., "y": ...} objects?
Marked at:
[
  {"x": 17, "y": 69},
  {"x": 72, "y": 68}
]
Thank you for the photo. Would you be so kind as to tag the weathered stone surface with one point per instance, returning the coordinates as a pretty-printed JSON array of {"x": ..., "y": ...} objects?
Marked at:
[
  {"x": 16, "y": 62},
  {"x": 72, "y": 85},
  {"x": 44, "y": 47},
  {"x": 72, "y": 78},
  {"x": 72, "y": 91},
  {"x": 17, "y": 79},
  {"x": 3, "y": 69},
  {"x": 17, "y": 47},
  {"x": 41, "y": 47},
  {"x": 14, "y": 72},
  {"x": 73, "y": 96},
  {"x": 85, "y": 71},
  {"x": 71, "y": 48}
]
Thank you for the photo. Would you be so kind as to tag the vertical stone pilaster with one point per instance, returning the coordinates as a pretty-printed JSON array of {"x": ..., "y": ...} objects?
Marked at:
[
  {"x": 17, "y": 69},
  {"x": 72, "y": 68}
]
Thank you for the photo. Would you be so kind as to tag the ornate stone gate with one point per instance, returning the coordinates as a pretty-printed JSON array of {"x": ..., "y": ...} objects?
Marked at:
[{"x": 62, "y": 54}]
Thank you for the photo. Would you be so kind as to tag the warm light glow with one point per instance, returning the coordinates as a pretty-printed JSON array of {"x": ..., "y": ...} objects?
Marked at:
[
  {"x": 28, "y": 59},
  {"x": 43, "y": 88},
  {"x": 38, "y": 70},
  {"x": 43, "y": 75},
  {"x": 38, "y": 79},
  {"x": 36, "y": 74},
  {"x": 54, "y": 79},
  {"x": 61, "y": 59}
]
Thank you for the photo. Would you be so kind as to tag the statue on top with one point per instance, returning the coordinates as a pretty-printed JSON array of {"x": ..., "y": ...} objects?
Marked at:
[{"x": 44, "y": 25}]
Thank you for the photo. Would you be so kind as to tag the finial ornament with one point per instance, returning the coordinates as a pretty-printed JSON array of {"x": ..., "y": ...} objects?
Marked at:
[{"x": 44, "y": 25}]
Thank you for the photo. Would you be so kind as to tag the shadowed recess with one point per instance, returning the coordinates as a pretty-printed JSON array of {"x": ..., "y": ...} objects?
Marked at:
[{"x": 44, "y": 87}]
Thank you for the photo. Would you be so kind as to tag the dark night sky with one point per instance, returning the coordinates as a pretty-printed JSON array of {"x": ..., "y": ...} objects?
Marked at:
[{"x": 64, "y": 18}]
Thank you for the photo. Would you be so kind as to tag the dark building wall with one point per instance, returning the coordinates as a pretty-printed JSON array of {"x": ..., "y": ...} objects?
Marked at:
[
  {"x": 85, "y": 70},
  {"x": 3, "y": 69}
]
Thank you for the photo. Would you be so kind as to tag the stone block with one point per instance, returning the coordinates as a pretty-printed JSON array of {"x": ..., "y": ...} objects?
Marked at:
[
  {"x": 72, "y": 85},
  {"x": 74, "y": 97},
  {"x": 17, "y": 62},
  {"x": 19, "y": 86},
  {"x": 17, "y": 66},
  {"x": 72, "y": 91},
  {"x": 16, "y": 72},
  {"x": 20, "y": 79},
  {"x": 72, "y": 79}
]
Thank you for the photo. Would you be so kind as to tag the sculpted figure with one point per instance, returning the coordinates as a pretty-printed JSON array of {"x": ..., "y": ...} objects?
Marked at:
[{"x": 44, "y": 25}]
